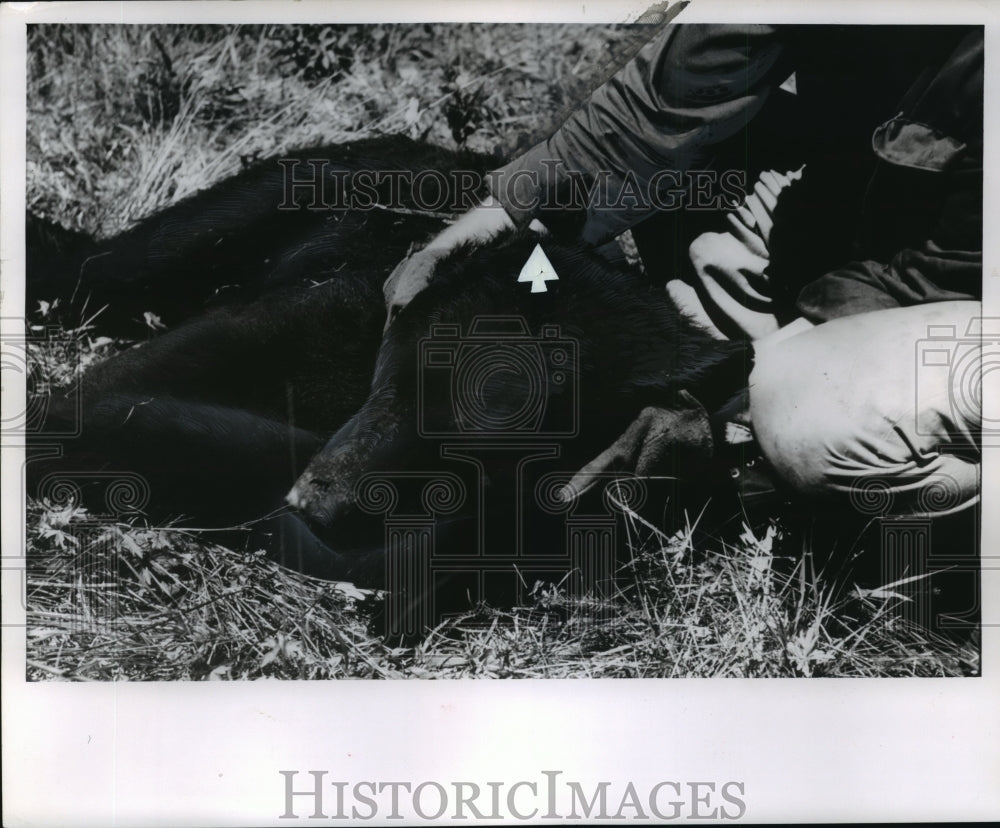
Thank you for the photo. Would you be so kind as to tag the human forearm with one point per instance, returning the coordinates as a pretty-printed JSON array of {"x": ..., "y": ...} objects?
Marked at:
[
  {"x": 480, "y": 224},
  {"x": 688, "y": 89}
]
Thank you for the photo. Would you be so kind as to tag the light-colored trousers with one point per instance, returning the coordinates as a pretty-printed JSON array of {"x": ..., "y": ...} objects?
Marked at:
[{"x": 881, "y": 408}]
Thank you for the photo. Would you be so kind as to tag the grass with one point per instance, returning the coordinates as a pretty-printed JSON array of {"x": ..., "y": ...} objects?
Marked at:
[
  {"x": 124, "y": 601},
  {"x": 125, "y": 120}
]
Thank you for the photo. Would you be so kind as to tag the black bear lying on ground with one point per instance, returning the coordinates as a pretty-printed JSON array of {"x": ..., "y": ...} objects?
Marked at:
[
  {"x": 430, "y": 461},
  {"x": 273, "y": 376}
]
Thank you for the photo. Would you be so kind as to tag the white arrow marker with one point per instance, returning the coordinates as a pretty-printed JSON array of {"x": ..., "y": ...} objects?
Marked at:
[{"x": 538, "y": 270}]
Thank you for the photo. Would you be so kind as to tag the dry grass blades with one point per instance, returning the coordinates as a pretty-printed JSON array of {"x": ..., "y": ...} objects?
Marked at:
[{"x": 124, "y": 120}]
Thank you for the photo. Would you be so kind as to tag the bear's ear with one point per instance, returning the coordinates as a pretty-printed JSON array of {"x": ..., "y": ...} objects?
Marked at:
[
  {"x": 679, "y": 436},
  {"x": 679, "y": 355},
  {"x": 715, "y": 371}
]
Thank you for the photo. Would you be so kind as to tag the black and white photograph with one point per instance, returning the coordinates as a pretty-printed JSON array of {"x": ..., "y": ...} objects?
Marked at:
[{"x": 364, "y": 344}]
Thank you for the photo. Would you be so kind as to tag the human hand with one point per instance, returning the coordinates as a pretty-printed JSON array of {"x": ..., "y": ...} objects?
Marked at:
[
  {"x": 408, "y": 278},
  {"x": 414, "y": 273},
  {"x": 752, "y": 221},
  {"x": 681, "y": 434}
]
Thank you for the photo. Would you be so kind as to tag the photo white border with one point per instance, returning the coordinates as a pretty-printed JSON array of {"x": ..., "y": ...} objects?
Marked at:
[{"x": 209, "y": 753}]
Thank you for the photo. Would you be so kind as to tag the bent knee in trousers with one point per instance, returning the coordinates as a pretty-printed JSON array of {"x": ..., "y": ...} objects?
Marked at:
[{"x": 875, "y": 408}]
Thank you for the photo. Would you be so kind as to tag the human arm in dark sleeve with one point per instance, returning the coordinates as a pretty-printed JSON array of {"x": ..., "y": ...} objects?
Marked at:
[
  {"x": 691, "y": 87},
  {"x": 947, "y": 265},
  {"x": 926, "y": 193},
  {"x": 913, "y": 277}
]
